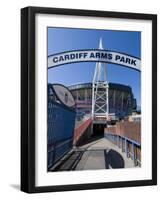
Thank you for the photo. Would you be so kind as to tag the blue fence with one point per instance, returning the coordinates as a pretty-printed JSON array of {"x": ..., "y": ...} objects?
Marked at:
[
  {"x": 61, "y": 122},
  {"x": 130, "y": 147}
]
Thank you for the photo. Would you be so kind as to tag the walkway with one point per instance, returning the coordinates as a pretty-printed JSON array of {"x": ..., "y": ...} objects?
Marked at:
[
  {"x": 102, "y": 154},
  {"x": 98, "y": 153}
]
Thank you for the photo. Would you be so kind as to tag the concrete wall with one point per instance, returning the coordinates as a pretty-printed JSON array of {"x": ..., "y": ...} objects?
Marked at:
[{"x": 82, "y": 132}]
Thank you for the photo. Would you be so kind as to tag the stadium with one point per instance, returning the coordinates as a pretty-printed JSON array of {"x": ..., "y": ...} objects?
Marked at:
[
  {"x": 85, "y": 116},
  {"x": 120, "y": 97}
]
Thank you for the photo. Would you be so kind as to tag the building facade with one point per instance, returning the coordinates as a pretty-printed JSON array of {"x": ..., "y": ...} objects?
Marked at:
[{"x": 121, "y": 99}]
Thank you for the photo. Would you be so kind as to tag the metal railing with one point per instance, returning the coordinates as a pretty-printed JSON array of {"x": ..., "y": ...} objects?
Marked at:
[{"x": 131, "y": 148}]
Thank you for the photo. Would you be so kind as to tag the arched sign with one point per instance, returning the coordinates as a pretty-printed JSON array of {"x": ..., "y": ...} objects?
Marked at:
[
  {"x": 97, "y": 55},
  {"x": 64, "y": 95}
]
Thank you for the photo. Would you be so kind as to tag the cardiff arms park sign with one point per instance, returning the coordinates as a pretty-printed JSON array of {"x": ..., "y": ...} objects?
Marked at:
[{"x": 94, "y": 55}]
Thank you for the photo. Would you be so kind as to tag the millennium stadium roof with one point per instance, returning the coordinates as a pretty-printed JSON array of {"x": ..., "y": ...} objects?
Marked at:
[{"x": 111, "y": 86}]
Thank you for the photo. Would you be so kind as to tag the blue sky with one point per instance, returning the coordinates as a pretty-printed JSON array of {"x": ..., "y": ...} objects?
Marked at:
[{"x": 67, "y": 39}]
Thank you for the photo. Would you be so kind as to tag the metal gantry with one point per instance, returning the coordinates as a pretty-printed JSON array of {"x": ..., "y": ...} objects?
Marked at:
[{"x": 100, "y": 104}]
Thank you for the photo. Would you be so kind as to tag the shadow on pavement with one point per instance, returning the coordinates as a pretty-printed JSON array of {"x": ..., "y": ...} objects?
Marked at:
[{"x": 113, "y": 159}]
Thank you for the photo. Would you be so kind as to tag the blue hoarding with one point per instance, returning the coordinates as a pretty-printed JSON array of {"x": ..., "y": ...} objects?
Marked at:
[{"x": 61, "y": 122}]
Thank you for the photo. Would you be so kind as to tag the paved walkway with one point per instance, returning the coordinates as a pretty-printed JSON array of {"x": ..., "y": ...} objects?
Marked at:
[
  {"x": 99, "y": 153},
  {"x": 102, "y": 154}
]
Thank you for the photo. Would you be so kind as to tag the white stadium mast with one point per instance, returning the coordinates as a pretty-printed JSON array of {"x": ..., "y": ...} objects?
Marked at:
[{"x": 100, "y": 107}]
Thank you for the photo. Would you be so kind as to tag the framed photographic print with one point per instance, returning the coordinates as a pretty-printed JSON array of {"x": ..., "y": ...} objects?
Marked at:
[{"x": 88, "y": 99}]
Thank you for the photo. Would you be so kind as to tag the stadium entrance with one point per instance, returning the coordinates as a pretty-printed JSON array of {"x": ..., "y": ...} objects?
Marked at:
[{"x": 98, "y": 129}]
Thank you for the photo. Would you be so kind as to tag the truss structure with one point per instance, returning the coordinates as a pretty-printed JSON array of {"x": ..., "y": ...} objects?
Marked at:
[{"x": 100, "y": 107}]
